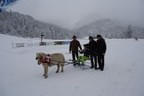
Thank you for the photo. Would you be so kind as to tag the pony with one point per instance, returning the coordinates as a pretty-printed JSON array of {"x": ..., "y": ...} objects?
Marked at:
[{"x": 57, "y": 59}]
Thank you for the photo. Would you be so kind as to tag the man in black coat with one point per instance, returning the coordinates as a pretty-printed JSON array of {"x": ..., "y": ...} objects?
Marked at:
[
  {"x": 74, "y": 46},
  {"x": 101, "y": 50},
  {"x": 92, "y": 49}
]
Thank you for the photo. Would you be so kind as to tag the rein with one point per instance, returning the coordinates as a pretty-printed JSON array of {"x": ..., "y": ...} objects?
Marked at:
[{"x": 65, "y": 62}]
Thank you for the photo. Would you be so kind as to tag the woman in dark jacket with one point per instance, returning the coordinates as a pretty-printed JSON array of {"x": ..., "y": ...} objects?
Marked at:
[{"x": 101, "y": 50}]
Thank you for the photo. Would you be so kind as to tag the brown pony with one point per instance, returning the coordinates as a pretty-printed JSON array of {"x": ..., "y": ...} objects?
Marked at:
[{"x": 56, "y": 59}]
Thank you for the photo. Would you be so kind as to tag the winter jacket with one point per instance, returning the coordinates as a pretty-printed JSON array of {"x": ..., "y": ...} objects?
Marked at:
[
  {"x": 92, "y": 47},
  {"x": 101, "y": 46},
  {"x": 74, "y": 45}
]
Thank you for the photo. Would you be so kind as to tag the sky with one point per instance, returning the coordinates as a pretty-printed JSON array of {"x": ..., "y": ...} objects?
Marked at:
[{"x": 68, "y": 13}]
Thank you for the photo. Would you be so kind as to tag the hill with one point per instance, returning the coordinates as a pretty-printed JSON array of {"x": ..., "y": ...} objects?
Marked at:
[
  {"x": 110, "y": 29},
  {"x": 14, "y": 23}
]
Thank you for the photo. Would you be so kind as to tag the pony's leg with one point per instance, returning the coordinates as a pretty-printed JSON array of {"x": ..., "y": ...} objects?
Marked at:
[
  {"x": 58, "y": 67},
  {"x": 45, "y": 70},
  {"x": 62, "y": 69}
]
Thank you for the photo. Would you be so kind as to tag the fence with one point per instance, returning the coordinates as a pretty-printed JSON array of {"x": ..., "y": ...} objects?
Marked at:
[{"x": 32, "y": 44}]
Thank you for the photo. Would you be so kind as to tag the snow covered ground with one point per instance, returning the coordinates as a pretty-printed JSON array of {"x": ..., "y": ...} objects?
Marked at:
[{"x": 21, "y": 76}]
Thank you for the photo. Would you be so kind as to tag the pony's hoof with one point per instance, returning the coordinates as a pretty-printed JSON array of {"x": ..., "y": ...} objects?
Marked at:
[
  {"x": 45, "y": 77},
  {"x": 57, "y": 71}
]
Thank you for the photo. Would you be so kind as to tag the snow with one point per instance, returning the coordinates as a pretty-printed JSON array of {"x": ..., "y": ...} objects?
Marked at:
[{"x": 20, "y": 75}]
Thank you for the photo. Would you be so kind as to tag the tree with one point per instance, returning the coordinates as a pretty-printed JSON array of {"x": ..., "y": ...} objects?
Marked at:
[{"x": 129, "y": 32}]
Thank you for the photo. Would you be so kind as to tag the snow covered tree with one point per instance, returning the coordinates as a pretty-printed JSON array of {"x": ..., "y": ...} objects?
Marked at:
[
  {"x": 17, "y": 24},
  {"x": 129, "y": 32}
]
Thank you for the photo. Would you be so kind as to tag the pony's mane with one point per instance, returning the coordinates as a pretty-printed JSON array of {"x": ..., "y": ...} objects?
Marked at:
[{"x": 40, "y": 54}]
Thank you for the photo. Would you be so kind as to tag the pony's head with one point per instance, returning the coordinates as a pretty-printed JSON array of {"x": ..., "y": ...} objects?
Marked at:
[{"x": 39, "y": 56}]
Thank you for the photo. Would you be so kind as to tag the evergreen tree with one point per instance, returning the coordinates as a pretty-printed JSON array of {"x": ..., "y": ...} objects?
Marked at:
[{"x": 129, "y": 32}]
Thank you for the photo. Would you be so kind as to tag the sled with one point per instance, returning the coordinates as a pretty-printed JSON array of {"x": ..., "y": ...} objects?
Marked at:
[{"x": 80, "y": 63}]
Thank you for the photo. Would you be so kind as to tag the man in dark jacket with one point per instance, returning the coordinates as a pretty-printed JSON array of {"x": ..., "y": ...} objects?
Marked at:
[
  {"x": 74, "y": 45},
  {"x": 92, "y": 49},
  {"x": 101, "y": 49}
]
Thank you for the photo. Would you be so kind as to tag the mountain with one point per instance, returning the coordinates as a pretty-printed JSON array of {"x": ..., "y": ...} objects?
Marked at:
[
  {"x": 110, "y": 29},
  {"x": 14, "y": 23}
]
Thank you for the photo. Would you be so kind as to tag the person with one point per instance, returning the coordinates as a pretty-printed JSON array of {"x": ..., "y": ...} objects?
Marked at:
[
  {"x": 86, "y": 50},
  {"x": 92, "y": 51},
  {"x": 85, "y": 57},
  {"x": 101, "y": 50},
  {"x": 74, "y": 47}
]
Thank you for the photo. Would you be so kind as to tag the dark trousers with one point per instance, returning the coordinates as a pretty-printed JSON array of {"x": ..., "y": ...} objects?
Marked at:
[
  {"x": 93, "y": 59},
  {"x": 74, "y": 56},
  {"x": 101, "y": 61}
]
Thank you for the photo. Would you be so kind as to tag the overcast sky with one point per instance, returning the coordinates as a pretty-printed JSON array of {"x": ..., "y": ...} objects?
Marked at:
[{"x": 69, "y": 12}]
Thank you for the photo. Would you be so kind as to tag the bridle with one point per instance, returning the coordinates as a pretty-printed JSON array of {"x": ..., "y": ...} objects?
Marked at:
[{"x": 39, "y": 58}]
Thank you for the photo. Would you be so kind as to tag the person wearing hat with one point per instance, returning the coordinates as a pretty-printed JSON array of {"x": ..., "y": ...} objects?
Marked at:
[
  {"x": 73, "y": 48},
  {"x": 101, "y": 50},
  {"x": 92, "y": 52}
]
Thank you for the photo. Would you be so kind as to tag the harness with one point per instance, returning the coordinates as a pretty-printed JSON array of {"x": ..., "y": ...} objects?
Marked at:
[{"x": 46, "y": 59}]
